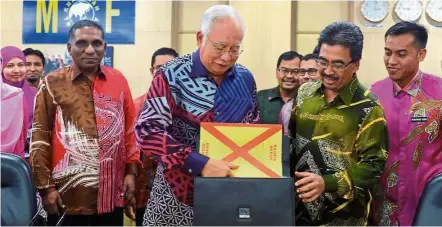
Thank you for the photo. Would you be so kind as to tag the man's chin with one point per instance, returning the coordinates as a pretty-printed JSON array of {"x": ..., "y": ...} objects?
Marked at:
[
  {"x": 394, "y": 76},
  {"x": 289, "y": 88}
]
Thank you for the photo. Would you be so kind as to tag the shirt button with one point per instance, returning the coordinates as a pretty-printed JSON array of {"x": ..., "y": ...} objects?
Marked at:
[
  {"x": 217, "y": 113},
  {"x": 190, "y": 170}
]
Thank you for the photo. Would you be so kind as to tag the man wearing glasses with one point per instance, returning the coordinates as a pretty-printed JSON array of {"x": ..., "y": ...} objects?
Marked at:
[
  {"x": 159, "y": 58},
  {"x": 339, "y": 135},
  {"x": 309, "y": 69},
  {"x": 270, "y": 101},
  {"x": 206, "y": 86}
]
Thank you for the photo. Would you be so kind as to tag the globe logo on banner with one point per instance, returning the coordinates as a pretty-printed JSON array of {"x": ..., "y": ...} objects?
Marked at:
[{"x": 80, "y": 10}]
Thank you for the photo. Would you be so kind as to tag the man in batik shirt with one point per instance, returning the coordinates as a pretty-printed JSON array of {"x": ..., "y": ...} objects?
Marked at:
[
  {"x": 339, "y": 136},
  {"x": 82, "y": 147},
  {"x": 206, "y": 86},
  {"x": 413, "y": 107}
]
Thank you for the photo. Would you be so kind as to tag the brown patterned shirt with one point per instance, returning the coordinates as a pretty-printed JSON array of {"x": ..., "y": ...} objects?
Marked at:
[{"x": 82, "y": 139}]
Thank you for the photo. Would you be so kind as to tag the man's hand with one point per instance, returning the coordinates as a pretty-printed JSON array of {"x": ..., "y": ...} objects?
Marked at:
[
  {"x": 218, "y": 168},
  {"x": 129, "y": 198},
  {"x": 310, "y": 186},
  {"x": 130, "y": 211},
  {"x": 52, "y": 203}
]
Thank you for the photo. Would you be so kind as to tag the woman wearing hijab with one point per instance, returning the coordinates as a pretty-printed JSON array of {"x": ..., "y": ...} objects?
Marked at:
[
  {"x": 14, "y": 74},
  {"x": 17, "y": 103},
  {"x": 14, "y": 122}
]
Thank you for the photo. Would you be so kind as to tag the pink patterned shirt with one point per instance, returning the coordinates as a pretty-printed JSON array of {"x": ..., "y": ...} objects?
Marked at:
[{"x": 414, "y": 116}]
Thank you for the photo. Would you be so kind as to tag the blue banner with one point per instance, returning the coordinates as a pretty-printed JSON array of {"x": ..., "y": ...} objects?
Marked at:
[{"x": 48, "y": 21}]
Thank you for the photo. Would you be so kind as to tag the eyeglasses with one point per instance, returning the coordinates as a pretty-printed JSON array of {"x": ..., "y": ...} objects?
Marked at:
[
  {"x": 309, "y": 71},
  {"x": 334, "y": 65},
  {"x": 221, "y": 48},
  {"x": 285, "y": 71},
  {"x": 156, "y": 67}
]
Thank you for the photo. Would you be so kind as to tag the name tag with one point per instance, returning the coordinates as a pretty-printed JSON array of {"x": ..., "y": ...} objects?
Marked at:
[
  {"x": 419, "y": 119},
  {"x": 420, "y": 116}
]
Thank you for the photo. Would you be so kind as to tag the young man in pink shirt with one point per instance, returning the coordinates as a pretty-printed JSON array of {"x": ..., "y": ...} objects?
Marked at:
[{"x": 412, "y": 102}]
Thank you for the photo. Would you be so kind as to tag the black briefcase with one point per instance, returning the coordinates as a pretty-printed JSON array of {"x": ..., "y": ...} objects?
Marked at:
[{"x": 244, "y": 201}]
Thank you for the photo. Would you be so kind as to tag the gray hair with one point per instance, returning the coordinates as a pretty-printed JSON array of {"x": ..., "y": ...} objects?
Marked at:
[{"x": 219, "y": 12}]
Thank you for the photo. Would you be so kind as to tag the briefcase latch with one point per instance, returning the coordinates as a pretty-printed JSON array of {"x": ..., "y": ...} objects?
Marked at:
[{"x": 244, "y": 213}]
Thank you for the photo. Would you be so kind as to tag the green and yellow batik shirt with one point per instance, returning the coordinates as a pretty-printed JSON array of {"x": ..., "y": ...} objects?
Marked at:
[{"x": 344, "y": 141}]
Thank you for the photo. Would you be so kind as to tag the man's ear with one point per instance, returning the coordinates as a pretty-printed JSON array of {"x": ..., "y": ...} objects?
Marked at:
[
  {"x": 69, "y": 48},
  {"x": 356, "y": 66},
  {"x": 199, "y": 38},
  {"x": 105, "y": 48},
  {"x": 421, "y": 54}
]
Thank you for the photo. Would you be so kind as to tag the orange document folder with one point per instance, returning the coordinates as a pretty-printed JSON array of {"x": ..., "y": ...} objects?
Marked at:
[{"x": 256, "y": 148}]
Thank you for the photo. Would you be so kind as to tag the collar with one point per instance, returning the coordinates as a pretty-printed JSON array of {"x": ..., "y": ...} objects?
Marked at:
[
  {"x": 274, "y": 94},
  {"x": 346, "y": 94},
  {"x": 75, "y": 72},
  {"x": 198, "y": 69},
  {"x": 411, "y": 88}
]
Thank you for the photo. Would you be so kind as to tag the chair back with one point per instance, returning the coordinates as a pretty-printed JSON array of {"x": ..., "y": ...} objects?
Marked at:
[
  {"x": 429, "y": 211},
  {"x": 18, "y": 204}
]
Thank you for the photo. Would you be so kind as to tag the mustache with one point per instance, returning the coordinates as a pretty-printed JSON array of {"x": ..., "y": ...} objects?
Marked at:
[{"x": 333, "y": 76}]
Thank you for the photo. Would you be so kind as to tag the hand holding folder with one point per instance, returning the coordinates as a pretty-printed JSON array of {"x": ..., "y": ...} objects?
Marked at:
[
  {"x": 219, "y": 168},
  {"x": 255, "y": 148}
]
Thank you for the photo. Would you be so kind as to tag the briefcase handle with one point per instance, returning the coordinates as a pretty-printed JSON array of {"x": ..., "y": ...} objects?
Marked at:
[
  {"x": 35, "y": 216},
  {"x": 60, "y": 221}
]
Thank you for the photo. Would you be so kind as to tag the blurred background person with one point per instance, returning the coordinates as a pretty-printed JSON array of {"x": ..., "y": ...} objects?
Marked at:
[
  {"x": 143, "y": 182},
  {"x": 35, "y": 64},
  {"x": 13, "y": 118},
  {"x": 309, "y": 69},
  {"x": 270, "y": 101},
  {"x": 14, "y": 74}
]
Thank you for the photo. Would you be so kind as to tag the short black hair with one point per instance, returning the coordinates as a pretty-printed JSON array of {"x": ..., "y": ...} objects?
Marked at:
[
  {"x": 344, "y": 34},
  {"x": 163, "y": 51},
  {"x": 289, "y": 55},
  {"x": 311, "y": 56},
  {"x": 419, "y": 32},
  {"x": 85, "y": 23},
  {"x": 30, "y": 51},
  {"x": 316, "y": 50}
]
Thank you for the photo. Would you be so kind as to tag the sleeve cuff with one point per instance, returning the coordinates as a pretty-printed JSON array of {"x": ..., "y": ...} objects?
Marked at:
[
  {"x": 194, "y": 164},
  {"x": 132, "y": 168},
  {"x": 331, "y": 183},
  {"x": 46, "y": 191}
]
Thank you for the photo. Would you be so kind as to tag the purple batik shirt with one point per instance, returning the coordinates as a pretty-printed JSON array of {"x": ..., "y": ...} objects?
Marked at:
[{"x": 414, "y": 115}]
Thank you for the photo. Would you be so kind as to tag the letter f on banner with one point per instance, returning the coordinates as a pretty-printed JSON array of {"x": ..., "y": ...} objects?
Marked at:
[{"x": 109, "y": 14}]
